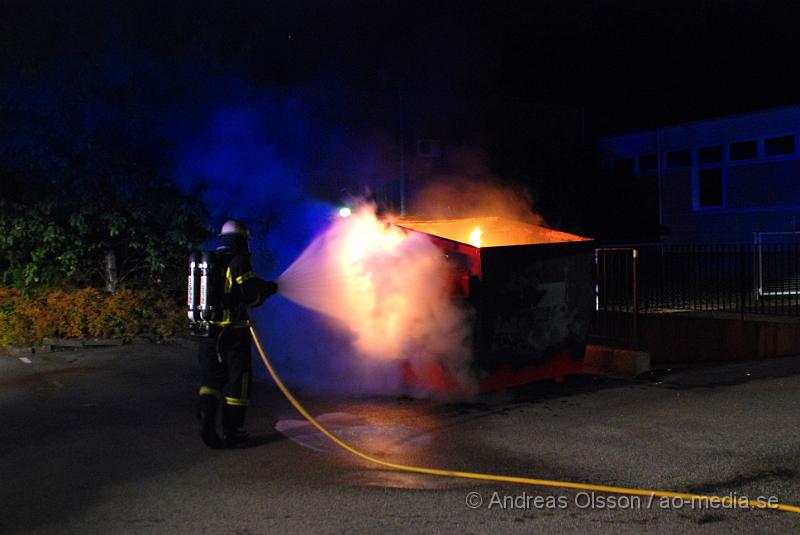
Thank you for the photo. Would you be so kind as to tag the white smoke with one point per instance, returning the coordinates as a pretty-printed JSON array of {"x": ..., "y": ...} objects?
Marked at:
[{"x": 389, "y": 288}]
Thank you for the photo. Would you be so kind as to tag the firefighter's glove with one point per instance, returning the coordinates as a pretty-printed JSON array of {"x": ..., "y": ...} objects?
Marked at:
[
  {"x": 265, "y": 290},
  {"x": 270, "y": 288}
]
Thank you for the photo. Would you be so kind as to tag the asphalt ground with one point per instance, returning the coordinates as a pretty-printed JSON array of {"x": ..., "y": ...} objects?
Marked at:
[{"x": 104, "y": 441}]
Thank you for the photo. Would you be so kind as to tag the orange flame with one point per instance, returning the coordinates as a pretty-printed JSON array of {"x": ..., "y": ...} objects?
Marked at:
[{"x": 475, "y": 237}]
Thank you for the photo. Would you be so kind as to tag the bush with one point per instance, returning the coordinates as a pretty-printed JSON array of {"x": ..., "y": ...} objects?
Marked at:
[{"x": 86, "y": 313}]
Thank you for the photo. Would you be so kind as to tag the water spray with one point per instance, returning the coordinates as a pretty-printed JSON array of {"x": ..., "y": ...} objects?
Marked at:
[{"x": 388, "y": 289}]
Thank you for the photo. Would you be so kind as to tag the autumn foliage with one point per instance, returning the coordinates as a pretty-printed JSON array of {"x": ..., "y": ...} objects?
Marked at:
[{"x": 88, "y": 312}]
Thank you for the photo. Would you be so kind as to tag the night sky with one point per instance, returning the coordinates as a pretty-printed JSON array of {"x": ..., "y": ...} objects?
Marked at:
[
  {"x": 312, "y": 94},
  {"x": 628, "y": 65}
]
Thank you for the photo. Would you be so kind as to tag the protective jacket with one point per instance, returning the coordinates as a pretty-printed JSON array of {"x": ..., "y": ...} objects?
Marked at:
[
  {"x": 242, "y": 288},
  {"x": 225, "y": 355}
]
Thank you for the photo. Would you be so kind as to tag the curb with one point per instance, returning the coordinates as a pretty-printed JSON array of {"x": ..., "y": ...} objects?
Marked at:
[{"x": 605, "y": 360}]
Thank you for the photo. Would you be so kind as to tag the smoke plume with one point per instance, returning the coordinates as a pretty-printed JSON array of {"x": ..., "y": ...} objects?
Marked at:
[
  {"x": 388, "y": 289},
  {"x": 470, "y": 189},
  {"x": 453, "y": 198}
]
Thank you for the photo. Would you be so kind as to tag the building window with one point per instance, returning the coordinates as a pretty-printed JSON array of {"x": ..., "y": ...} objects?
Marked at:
[
  {"x": 707, "y": 155},
  {"x": 648, "y": 162},
  {"x": 710, "y": 187},
  {"x": 679, "y": 158},
  {"x": 779, "y": 146},
  {"x": 623, "y": 166},
  {"x": 744, "y": 150}
]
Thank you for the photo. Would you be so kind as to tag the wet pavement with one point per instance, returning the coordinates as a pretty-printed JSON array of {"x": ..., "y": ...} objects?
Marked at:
[{"x": 103, "y": 440}]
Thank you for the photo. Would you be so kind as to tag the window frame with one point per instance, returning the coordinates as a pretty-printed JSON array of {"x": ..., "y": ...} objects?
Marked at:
[
  {"x": 722, "y": 154},
  {"x": 758, "y": 153},
  {"x": 690, "y": 151},
  {"x": 779, "y": 157}
]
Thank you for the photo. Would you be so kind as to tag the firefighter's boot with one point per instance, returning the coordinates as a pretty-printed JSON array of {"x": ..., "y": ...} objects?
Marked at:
[
  {"x": 207, "y": 415},
  {"x": 232, "y": 422}
]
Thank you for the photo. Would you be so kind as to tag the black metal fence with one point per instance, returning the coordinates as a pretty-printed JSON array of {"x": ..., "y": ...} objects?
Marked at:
[{"x": 761, "y": 278}]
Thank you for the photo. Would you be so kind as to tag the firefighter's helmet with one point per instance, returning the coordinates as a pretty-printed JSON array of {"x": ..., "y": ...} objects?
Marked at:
[{"x": 234, "y": 228}]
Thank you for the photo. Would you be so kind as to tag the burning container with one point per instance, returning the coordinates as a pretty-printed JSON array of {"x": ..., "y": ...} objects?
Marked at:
[{"x": 531, "y": 289}]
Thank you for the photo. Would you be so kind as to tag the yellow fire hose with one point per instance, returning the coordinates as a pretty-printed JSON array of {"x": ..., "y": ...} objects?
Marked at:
[{"x": 723, "y": 501}]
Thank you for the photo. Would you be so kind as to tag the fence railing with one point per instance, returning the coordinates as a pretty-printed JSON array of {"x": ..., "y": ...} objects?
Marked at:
[{"x": 760, "y": 278}]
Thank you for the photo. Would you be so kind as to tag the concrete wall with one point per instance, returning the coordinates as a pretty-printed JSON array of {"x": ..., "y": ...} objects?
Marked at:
[{"x": 691, "y": 337}]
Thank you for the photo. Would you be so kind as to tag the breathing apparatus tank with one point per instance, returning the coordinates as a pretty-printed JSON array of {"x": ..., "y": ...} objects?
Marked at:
[
  {"x": 204, "y": 292},
  {"x": 193, "y": 289}
]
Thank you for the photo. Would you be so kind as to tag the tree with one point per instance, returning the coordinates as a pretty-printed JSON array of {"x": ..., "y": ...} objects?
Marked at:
[
  {"x": 87, "y": 196},
  {"x": 110, "y": 228}
]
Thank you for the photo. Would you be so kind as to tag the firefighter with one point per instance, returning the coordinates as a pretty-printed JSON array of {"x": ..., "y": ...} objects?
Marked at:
[{"x": 224, "y": 355}]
